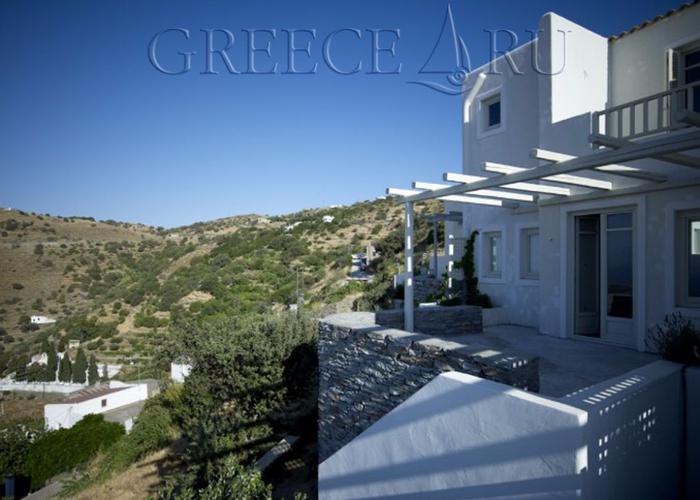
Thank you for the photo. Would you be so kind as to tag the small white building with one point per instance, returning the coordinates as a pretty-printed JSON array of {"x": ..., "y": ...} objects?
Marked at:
[
  {"x": 102, "y": 399},
  {"x": 291, "y": 227},
  {"x": 73, "y": 344},
  {"x": 41, "y": 359},
  {"x": 327, "y": 219},
  {"x": 41, "y": 320},
  {"x": 180, "y": 370}
]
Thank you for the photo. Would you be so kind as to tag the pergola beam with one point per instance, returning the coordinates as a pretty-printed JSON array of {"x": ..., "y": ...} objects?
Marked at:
[
  {"x": 474, "y": 200},
  {"x": 576, "y": 180},
  {"x": 621, "y": 170},
  {"x": 482, "y": 192},
  {"x": 656, "y": 147},
  {"x": 518, "y": 186},
  {"x": 677, "y": 158}
]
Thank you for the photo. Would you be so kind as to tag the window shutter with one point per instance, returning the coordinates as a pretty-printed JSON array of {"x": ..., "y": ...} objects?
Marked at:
[{"x": 672, "y": 67}]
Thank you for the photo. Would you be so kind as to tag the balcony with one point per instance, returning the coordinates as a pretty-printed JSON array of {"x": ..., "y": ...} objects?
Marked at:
[{"x": 667, "y": 111}]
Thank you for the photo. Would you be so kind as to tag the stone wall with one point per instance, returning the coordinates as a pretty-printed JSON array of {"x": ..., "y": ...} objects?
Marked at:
[
  {"x": 436, "y": 320},
  {"x": 366, "y": 370},
  {"x": 425, "y": 286}
]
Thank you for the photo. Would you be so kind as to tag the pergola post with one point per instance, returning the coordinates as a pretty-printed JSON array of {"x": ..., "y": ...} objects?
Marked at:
[
  {"x": 450, "y": 257},
  {"x": 435, "y": 248},
  {"x": 408, "y": 277}
]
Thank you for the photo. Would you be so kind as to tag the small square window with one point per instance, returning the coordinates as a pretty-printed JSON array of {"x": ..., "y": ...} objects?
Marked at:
[
  {"x": 492, "y": 254},
  {"x": 491, "y": 108},
  {"x": 530, "y": 254},
  {"x": 104, "y": 403}
]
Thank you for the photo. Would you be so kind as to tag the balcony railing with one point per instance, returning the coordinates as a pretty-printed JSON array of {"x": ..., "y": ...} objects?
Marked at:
[{"x": 657, "y": 113}]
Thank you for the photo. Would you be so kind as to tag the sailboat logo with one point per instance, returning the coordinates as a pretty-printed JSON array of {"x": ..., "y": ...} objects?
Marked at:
[{"x": 455, "y": 76}]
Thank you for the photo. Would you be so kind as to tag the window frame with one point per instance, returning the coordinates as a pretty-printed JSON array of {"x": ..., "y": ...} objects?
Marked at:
[
  {"x": 683, "y": 218},
  {"x": 484, "y": 100},
  {"x": 486, "y": 262},
  {"x": 525, "y": 251}
]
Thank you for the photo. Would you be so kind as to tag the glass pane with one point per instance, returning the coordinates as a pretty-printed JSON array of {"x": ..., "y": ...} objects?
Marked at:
[
  {"x": 692, "y": 58},
  {"x": 533, "y": 254},
  {"x": 694, "y": 259},
  {"x": 618, "y": 221},
  {"x": 494, "y": 265},
  {"x": 619, "y": 254},
  {"x": 692, "y": 75},
  {"x": 494, "y": 113},
  {"x": 587, "y": 272}
]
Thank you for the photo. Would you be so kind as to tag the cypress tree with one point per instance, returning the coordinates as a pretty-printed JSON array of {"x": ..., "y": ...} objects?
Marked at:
[
  {"x": 80, "y": 367},
  {"x": 93, "y": 375},
  {"x": 51, "y": 364},
  {"x": 64, "y": 369},
  {"x": 63, "y": 344},
  {"x": 105, "y": 374}
]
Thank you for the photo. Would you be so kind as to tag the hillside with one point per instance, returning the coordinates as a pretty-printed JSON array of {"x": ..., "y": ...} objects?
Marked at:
[{"x": 117, "y": 286}]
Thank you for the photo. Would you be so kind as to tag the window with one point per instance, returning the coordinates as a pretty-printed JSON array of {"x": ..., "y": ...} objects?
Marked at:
[
  {"x": 491, "y": 108},
  {"x": 492, "y": 254},
  {"x": 104, "y": 403},
  {"x": 619, "y": 261},
  {"x": 530, "y": 254},
  {"x": 691, "y": 74},
  {"x": 688, "y": 259}
]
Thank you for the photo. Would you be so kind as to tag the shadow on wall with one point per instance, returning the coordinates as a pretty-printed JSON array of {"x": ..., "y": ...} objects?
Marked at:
[{"x": 463, "y": 437}]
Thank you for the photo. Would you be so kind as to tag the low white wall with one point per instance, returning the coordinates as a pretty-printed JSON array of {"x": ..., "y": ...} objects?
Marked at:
[
  {"x": 65, "y": 415},
  {"x": 692, "y": 438},
  {"x": 465, "y": 437},
  {"x": 462, "y": 437},
  {"x": 64, "y": 388},
  {"x": 634, "y": 433}
]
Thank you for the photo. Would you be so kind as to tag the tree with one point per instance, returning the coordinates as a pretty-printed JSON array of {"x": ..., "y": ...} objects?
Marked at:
[
  {"x": 80, "y": 367},
  {"x": 93, "y": 375},
  {"x": 51, "y": 363},
  {"x": 64, "y": 369},
  {"x": 105, "y": 373},
  {"x": 234, "y": 398},
  {"x": 62, "y": 343}
]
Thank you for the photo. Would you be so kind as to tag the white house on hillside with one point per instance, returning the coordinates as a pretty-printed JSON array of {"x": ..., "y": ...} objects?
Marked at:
[
  {"x": 41, "y": 320},
  {"x": 581, "y": 175},
  {"x": 123, "y": 400},
  {"x": 180, "y": 370}
]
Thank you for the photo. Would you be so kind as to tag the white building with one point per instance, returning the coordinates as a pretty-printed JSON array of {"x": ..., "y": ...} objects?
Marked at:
[
  {"x": 581, "y": 175},
  {"x": 41, "y": 320},
  {"x": 599, "y": 247},
  {"x": 327, "y": 219},
  {"x": 180, "y": 370},
  {"x": 123, "y": 400}
]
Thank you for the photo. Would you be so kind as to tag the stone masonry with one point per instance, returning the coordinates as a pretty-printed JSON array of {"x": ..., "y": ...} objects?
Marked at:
[
  {"x": 366, "y": 370},
  {"x": 436, "y": 320}
]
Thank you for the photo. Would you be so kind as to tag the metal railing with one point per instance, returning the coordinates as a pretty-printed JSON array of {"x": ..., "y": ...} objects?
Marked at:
[{"x": 649, "y": 115}]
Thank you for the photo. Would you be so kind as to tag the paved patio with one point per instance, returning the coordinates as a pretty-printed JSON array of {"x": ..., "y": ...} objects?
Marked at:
[{"x": 566, "y": 365}]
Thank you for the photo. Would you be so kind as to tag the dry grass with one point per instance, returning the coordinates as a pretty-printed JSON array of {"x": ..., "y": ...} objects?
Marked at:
[
  {"x": 16, "y": 406},
  {"x": 141, "y": 480}
]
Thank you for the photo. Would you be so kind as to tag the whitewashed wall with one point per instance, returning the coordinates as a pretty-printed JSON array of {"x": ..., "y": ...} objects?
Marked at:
[
  {"x": 66, "y": 415},
  {"x": 465, "y": 437},
  {"x": 637, "y": 60},
  {"x": 179, "y": 371}
]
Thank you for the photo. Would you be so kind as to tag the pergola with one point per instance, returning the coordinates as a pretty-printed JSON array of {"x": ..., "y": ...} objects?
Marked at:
[{"x": 514, "y": 186}]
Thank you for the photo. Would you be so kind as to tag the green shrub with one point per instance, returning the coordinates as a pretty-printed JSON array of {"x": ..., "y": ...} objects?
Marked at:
[
  {"x": 676, "y": 339},
  {"x": 152, "y": 431},
  {"x": 62, "y": 450}
]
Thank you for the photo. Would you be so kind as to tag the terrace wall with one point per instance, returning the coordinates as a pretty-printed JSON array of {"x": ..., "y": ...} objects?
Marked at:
[{"x": 366, "y": 370}]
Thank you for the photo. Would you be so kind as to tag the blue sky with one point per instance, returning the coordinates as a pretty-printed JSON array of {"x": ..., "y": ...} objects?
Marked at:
[{"x": 88, "y": 126}]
